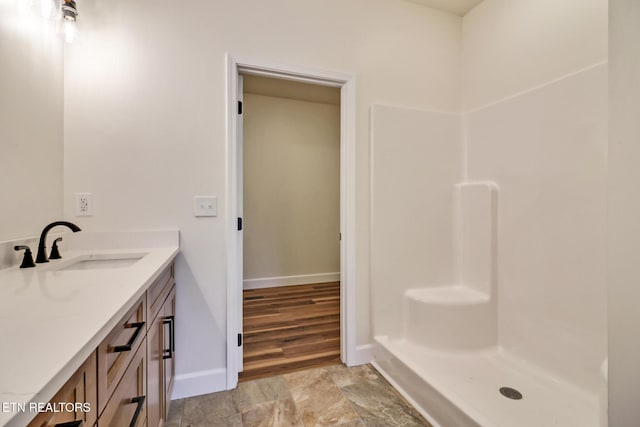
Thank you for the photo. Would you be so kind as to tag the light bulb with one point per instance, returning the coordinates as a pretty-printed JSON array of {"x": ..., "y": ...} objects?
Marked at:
[{"x": 70, "y": 31}]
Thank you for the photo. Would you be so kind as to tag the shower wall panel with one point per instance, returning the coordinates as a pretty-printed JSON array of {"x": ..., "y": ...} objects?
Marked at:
[
  {"x": 547, "y": 151},
  {"x": 416, "y": 159}
]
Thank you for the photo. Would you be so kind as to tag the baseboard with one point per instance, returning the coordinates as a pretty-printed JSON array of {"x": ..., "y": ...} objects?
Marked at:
[
  {"x": 197, "y": 383},
  {"x": 361, "y": 356},
  {"x": 304, "y": 279}
]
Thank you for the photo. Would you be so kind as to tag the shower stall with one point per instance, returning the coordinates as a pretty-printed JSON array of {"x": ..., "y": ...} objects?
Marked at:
[{"x": 488, "y": 248}]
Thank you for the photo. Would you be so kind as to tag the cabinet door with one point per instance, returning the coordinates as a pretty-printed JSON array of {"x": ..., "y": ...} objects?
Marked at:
[
  {"x": 155, "y": 383},
  {"x": 157, "y": 292},
  {"x": 117, "y": 350},
  {"x": 169, "y": 347},
  {"x": 81, "y": 392},
  {"x": 128, "y": 406}
]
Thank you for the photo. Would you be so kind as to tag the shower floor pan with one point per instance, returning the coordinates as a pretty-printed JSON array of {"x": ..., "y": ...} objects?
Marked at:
[{"x": 461, "y": 389}]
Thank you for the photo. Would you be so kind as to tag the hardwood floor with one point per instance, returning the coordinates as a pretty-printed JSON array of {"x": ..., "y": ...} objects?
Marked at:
[{"x": 290, "y": 328}]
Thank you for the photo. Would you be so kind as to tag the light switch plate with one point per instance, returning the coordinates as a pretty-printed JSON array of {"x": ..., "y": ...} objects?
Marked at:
[{"x": 205, "y": 206}]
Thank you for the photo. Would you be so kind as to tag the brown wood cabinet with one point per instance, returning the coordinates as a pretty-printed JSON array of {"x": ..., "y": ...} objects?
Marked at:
[
  {"x": 170, "y": 345},
  {"x": 128, "y": 380},
  {"x": 117, "y": 349},
  {"x": 161, "y": 356},
  {"x": 158, "y": 291},
  {"x": 128, "y": 404},
  {"x": 154, "y": 370},
  {"x": 81, "y": 392}
]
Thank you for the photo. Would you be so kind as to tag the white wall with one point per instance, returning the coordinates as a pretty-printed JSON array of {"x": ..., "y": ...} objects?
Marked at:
[
  {"x": 30, "y": 122},
  {"x": 543, "y": 139},
  {"x": 291, "y": 207},
  {"x": 514, "y": 45},
  {"x": 624, "y": 213},
  {"x": 146, "y": 112}
]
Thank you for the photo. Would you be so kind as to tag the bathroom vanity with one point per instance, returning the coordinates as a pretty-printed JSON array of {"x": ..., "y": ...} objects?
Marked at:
[{"x": 90, "y": 338}]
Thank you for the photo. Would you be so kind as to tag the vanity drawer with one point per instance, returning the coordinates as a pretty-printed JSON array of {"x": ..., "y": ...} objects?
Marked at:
[
  {"x": 117, "y": 350},
  {"x": 78, "y": 397},
  {"x": 128, "y": 406},
  {"x": 158, "y": 291}
]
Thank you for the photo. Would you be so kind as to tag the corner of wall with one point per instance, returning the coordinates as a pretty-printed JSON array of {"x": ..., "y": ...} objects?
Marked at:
[{"x": 199, "y": 383}]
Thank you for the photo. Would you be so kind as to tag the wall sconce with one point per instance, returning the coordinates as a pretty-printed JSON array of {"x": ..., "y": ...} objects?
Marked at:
[{"x": 69, "y": 17}]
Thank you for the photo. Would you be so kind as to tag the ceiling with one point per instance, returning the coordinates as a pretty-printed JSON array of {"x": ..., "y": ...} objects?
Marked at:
[
  {"x": 290, "y": 89},
  {"x": 457, "y": 7}
]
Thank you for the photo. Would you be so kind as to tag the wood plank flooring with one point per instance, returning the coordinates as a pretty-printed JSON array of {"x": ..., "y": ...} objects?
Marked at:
[{"x": 290, "y": 328}]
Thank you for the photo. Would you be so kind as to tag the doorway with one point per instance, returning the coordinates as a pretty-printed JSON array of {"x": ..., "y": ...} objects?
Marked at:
[
  {"x": 291, "y": 225},
  {"x": 237, "y": 68}
]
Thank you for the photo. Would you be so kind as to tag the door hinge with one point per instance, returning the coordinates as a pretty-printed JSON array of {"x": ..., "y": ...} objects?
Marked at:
[
  {"x": 239, "y": 340},
  {"x": 239, "y": 224},
  {"x": 340, "y": 236},
  {"x": 239, "y": 107}
]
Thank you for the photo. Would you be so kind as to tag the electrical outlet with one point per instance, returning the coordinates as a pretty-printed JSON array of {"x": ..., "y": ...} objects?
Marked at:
[{"x": 84, "y": 204}]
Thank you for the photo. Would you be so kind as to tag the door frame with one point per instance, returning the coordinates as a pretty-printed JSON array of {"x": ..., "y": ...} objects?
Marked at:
[{"x": 347, "y": 83}]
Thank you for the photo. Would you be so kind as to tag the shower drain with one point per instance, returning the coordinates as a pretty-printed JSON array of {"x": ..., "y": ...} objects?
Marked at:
[{"x": 510, "y": 393}]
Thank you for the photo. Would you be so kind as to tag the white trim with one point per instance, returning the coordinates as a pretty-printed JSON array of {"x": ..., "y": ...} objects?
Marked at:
[
  {"x": 198, "y": 383},
  {"x": 363, "y": 355},
  {"x": 347, "y": 83},
  {"x": 239, "y": 206},
  {"x": 348, "y": 220},
  {"x": 303, "y": 279},
  {"x": 293, "y": 73},
  {"x": 232, "y": 242}
]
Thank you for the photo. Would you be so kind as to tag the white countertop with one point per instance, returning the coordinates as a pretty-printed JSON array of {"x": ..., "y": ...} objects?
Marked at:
[{"x": 51, "y": 321}]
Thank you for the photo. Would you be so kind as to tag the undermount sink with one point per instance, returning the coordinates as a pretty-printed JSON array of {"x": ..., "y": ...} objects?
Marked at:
[{"x": 100, "y": 261}]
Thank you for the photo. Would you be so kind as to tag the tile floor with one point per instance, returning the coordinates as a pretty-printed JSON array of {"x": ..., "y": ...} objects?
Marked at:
[{"x": 329, "y": 396}]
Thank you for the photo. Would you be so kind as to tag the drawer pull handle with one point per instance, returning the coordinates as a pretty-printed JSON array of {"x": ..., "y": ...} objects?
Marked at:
[
  {"x": 173, "y": 333},
  {"x": 127, "y": 346},
  {"x": 140, "y": 401},
  {"x": 172, "y": 345},
  {"x": 70, "y": 424}
]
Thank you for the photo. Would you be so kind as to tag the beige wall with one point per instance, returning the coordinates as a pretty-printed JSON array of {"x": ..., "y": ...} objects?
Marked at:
[
  {"x": 31, "y": 122},
  {"x": 291, "y": 187},
  {"x": 624, "y": 213},
  {"x": 514, "y": 45},
  {"x": 145, "y": 104}
]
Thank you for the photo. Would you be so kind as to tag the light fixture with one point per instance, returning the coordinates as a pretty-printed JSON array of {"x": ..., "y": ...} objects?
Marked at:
[
  {"x": 69, "y": 10},
  {"x": 69, "y": 17}
]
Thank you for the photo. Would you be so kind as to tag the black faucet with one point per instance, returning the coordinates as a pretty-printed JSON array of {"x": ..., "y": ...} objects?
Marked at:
[
  {"x": 55, "y": 253},
  {"x": 27, "y": 261},
  {"x": 42, "y": 249}
]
